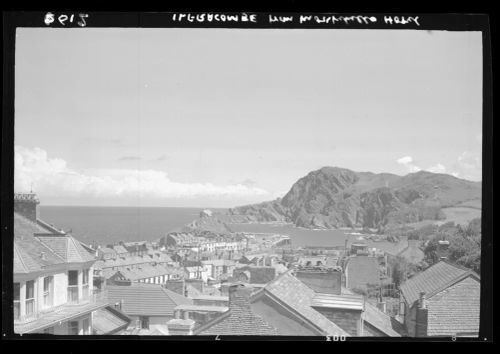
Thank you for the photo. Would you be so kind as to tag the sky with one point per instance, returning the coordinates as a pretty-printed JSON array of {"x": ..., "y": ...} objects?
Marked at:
[{"x": 226, "y": 117}]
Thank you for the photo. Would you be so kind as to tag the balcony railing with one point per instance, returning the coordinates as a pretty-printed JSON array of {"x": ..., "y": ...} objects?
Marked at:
[
  {"x": 30, "y": 307},
  {"x": 92, "y": 298},
  {"x": 85, "y": 292}
]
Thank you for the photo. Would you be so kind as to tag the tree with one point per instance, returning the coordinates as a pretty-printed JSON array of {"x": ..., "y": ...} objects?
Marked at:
[
  {"x": 464, "y": 248},
  {"x": 400, "y": 271}
]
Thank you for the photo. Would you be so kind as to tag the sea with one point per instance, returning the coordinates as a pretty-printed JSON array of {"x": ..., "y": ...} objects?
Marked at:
[{"x": 109, "y": 225}]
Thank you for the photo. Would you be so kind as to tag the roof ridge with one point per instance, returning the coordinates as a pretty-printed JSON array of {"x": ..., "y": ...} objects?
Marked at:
[
  {"x": 419, "y": 275},
  {"x": 76, "y": 246},
  {"x": 300, "y": 315},
  {"x": 449, "y": 284}
]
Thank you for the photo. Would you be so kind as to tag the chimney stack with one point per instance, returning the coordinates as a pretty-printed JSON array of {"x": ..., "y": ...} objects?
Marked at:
[
  {"x": 443, "y": 246},
  {"x": 239, "y": 296},
  {"x": 180, "y": 327},
  {"x": 26, "y": 204},
  {"x": 422, "y": 304}
]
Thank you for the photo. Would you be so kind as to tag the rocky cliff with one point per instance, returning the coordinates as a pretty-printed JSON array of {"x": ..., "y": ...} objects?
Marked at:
[{"x": 333, "y": 197}]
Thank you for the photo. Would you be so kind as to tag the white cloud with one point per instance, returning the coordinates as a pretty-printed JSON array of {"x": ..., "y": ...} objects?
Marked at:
[
  {"x": 53, "y": 177},
  {"x": 407, "y": 162},
  {"x": 438, "y": 168},
  {"x": 467, "y": 166}
]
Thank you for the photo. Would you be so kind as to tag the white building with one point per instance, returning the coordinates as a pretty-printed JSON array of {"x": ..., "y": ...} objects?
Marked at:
[{"x": 53, "y": 279}]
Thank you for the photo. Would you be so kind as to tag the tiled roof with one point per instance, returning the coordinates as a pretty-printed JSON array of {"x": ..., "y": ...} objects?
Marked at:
[
  {"x": 126, "y": 260},
  {"x": 107, "y": 321},
  {"x": 143, "y": 271},
  {"x": 146, "y": 299},
  {"x": 379, "y": 320},
  {"x": 362, "y": 270},
  {"x": 455, "y": 310},
  {"x": 34, "y": 254},
  {"x": 25, "y": 228},
  {"x": 239, "y": 321},
  {"x": 412, "y": 253},
  {"x": 120, "y": 249},
  {"x": 192, "y": 291},
  {"x": 23, "y": 263},
  {"x": 107, "y": 250},
  {"x": 299, "y": 297},
  {"x": 36, "y": 246},
  {"x": 435, "y": 278},
  {"x": 68, "y": 248}
]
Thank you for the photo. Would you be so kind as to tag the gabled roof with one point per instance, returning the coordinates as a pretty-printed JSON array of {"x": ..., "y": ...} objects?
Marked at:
[
  {"x": 434, "y": 279},
  {"x": 108, "y": 321},
  {"x": 120, "y": 249},
  {"x": 455, "y": 310},
  {"x": 36, "y": 246},
  {"x": 380, "y": 320},
  {"x": 240, "y": 320},
  {"x": 146, "y": 299},
  {"x": 298, "y": 297}
]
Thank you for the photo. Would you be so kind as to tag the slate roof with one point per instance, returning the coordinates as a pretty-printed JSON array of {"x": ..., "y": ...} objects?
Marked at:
[
  {"x": 120, "y": 249},
  {"x": 455, "y": 310},
  {"x": 412, "y": 253},
  {"x": 67, "y": 248},
  {"x": 146, "y": 299},
  {"x": 23, "y": 263},
  {"x": 239, "y": 320},
  {"x": 31, "y": 255},
  {"x": 142, "y": 272},
  {"x": 434, "y": 279},
  {"x": 379, "y": 320},
  {"x": 25, "y": 228},
  {"x": 125, "y": 260},
  {"x": 362, "y": 270},
  {"x": 36, "y": 247},
  {"x": 108, "y": 321},
  {"x": 299, "y": 297}
]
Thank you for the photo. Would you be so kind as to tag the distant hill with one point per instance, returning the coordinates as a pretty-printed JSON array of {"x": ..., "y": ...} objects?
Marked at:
[
  {"x": 334, "y": 197},
  {"x": 207, "y": 221}
]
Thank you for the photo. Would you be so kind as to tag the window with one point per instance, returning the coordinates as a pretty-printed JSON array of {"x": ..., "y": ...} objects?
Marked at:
[
  {"x": 144, "y": 322},
  {"x": 73, "y": 286},
  {"x": 73, "y": 327},
  {"x": 47, "y": 291},
  {"x": 86, "y": 326},
  {"x": 30, "y": 297},
  {"x": 85, "y": 283},
  {"x": 17, "y": 306},
  {"x": 49, "y": 330}
]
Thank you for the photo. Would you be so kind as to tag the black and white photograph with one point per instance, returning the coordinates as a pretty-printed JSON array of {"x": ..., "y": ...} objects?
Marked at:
[{"x": 220, "y": 180}]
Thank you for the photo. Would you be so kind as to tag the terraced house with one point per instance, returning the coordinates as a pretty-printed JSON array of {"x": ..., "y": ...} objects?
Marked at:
[{"x": 53, "y": 277}]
